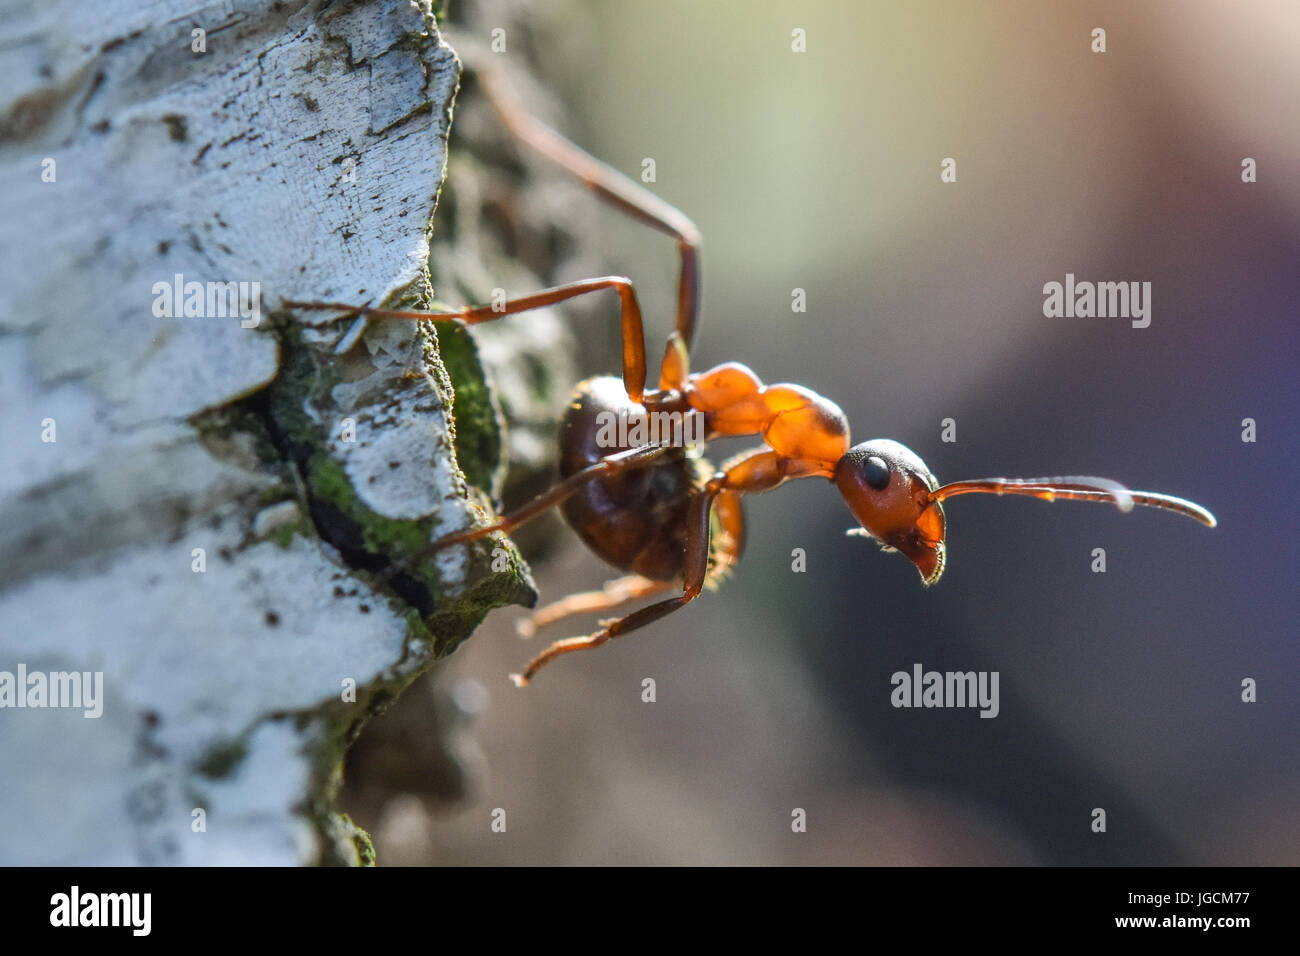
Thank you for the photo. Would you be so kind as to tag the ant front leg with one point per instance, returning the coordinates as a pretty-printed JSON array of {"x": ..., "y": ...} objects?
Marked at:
[{"x": 634, "y": 366}]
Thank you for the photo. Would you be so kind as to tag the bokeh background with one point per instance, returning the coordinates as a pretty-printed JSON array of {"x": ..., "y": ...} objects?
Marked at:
[{"x": 820, "y": 170}]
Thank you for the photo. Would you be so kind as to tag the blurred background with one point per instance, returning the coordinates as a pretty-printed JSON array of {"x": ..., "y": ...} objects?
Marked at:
[{"x": 821, "y": 170}]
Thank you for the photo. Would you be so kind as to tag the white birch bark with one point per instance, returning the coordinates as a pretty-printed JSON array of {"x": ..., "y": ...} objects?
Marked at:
[{"x": 154, "y": 526}]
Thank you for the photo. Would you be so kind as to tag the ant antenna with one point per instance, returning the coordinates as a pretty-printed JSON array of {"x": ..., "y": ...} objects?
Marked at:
[{"x": 1076, "y": 488}]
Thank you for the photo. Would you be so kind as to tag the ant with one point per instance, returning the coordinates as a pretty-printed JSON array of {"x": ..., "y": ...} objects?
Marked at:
[{"x": 660, "y": 512}]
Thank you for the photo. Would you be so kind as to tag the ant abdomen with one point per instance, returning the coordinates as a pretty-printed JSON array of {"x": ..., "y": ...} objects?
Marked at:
[{"x": 633, "y": 519}]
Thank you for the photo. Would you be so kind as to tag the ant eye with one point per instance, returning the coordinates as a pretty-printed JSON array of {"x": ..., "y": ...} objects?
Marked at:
[{"x": 876, "y": 472}]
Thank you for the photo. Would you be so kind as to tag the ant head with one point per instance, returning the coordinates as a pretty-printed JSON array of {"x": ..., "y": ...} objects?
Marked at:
[
  {"x": 890, "y": 491},
  {"x": 899, "y": 503}
]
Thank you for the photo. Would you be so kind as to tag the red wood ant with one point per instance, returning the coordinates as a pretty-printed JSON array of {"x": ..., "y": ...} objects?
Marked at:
[{"x": 660, "y": 512}]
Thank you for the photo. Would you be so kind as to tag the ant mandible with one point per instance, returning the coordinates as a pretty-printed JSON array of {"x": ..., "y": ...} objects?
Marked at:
[{"x": 658, "y": 511}]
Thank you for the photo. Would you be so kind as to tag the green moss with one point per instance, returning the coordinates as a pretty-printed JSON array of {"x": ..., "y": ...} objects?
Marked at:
[
  {"x": 284, "y": 535},
  {"x": 369, "y": 540},
  {"x": 391, "y": 537},
  {"x": 478, "y": 424},
  {"x": 222, "y": 759},
  {"x": 361, "y": 840},
  {"x": 346, "y": 843},
  {"x": 343, "y": 843}
]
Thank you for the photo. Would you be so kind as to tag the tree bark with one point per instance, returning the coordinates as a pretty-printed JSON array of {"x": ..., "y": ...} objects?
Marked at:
[{"x": 195, "y": 506}]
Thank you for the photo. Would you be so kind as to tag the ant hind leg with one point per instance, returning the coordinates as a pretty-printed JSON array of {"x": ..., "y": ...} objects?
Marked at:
[
  {"x": 694, "y": 576},
  {"x": 614, "y": 593},
  {"x": 625, "y": 194}
]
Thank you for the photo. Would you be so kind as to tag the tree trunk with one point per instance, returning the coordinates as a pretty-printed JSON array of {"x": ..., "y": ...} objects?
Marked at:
[{"x": 199, "y": 547}]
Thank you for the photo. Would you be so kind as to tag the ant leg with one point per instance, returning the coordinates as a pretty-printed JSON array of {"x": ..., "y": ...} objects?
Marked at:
[
  {"x": 615, "y": 592},
  {"x": 633, "y": 333},
  {"x": 725, "y": 553},
  {"x": 758, "y": 470},
  {"x": 694, "y": 576},
  {"x": 614, "y": 464},
  {"x": 611, "y": 185}
]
